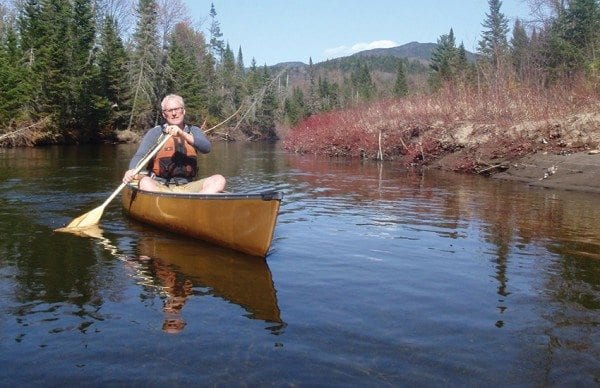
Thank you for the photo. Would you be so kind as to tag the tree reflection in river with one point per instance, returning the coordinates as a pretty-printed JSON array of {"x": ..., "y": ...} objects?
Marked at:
[{"x": 509, "y": 217}]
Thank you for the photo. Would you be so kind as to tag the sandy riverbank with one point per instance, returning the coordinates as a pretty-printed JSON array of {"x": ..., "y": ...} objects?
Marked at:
[
  {"x": 578, "y": 171},
  {"x": 560, "y": 153}
]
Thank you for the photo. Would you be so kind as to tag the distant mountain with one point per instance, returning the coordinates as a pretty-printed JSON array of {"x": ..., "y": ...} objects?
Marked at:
[
  {"x": 382, "y": 63},
  {"x": 289, "y": 64},
  {"x": 412, "y": 50}
]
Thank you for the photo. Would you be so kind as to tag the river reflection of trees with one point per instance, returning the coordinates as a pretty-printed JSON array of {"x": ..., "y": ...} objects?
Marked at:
[
  {"x": 561, "y": 227},
  {"x": 509, "y": 214}
]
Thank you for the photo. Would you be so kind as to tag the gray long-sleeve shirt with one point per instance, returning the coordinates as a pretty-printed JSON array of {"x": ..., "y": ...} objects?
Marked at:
[{"x": 201, "y": 143}]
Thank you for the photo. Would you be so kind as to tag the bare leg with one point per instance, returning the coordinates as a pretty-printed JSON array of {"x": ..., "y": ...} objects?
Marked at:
[
  {"x": 148, "y": 184},
  {"x": 213, "y": 184}
]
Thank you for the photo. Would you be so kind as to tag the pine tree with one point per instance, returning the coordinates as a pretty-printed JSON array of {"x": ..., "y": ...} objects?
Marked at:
[
  {"x": 520, "y": 47},
  {"x": 83, "y": 74},
  {"x": 184, "y": 70},
  {"x": 143, "y": 66},
  {"x": 313, "y": 98},
  {"x": 493, "y": 45},
  {"x": 240, "y": 69},
  {"x": 328, "y": 93},
  {"x": 229, "y": 85},
  {"x": 214, "y": 103},
  {"x": 294, "y": 107},
  {"x": 400, "y": 86},
  {"x": 363, "y": 85},
  {"x": 30, "y": 29},
  {"x": 15, "y": 90},
  {"x": 240, "y": 79},
  {"x": 574, "y": 39},
  {"x": 253, "y": 82},
  {"x": 465, "y": 69},
  {"x": 217, "y": 44},
  {"x": 265, "y": 112},
  {"x": 50, "y": 65},
  {"x": 444, "y": 59},
  {"x": 113, "y": 85}
]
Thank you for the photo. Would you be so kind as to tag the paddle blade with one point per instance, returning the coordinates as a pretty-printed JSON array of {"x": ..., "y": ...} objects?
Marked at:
[
  {"x": 93, "y": 231},
  {"x": 85, "y": 221}
]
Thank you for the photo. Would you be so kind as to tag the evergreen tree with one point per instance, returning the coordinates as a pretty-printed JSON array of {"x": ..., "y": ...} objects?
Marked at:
[
  {"x": 574, "y": 38},
  {"x": 295, "y": 107},
  {"x": 184, "y": 75},
  {"x": 363, "y": 85},
  {"x": 15, "y": 90},
  {"x": 240, "y": 63},
  {"x": 400, "y": 86},
  {"x": 313, "y": 103},
  {"x": 238, "y": 74},
  {"x": 229, "y": 82},
  {"x": 493, "y": 45},
  {"x": 113, "y": 85},
  {"x": 328, "y": 94},
  {"x": 253, "y": 78},
  {"x": 30, "y": 29},
  {"x": 465, "y": 69},
  {"x": 217, "y": 44},
  {"x": 83, "y": 74},
  {"x": 444, "y": 58},
  {"x": 51, "y": 66},
  {"x": 520, "y": 47},
  {"x": 265, "y": 112},
  {"x": 143, "y": 66},
  {"x": 57, "y": 38}
]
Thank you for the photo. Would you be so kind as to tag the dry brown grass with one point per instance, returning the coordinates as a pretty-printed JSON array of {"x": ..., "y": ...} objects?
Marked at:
[{"x": 483, "y": 125}]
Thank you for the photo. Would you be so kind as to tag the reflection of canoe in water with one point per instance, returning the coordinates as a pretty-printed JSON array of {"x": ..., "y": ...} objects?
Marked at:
[
  {"x": 244, "y": 222},
  {"x": 241, "y": 279}
]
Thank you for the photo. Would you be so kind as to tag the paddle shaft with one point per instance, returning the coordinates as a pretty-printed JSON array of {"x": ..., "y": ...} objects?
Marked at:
[
  {"x": 138, "y": 168},
  {"x": 92, "y": 217}
]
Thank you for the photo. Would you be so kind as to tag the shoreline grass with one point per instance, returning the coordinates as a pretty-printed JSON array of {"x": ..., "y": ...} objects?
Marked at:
[{"x": 480, "y": 124}]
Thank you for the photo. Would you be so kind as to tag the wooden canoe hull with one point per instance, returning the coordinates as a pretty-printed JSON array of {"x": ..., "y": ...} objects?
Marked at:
[{"x": 244, "y": 222}]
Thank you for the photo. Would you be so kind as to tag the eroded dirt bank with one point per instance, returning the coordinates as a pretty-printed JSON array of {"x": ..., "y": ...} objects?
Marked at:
[
  {"x": 562, "y": 154},
  {"x": 579, "y": 171}
]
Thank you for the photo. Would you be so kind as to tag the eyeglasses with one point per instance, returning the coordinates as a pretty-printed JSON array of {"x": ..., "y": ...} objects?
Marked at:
[{"x": 173, "y": 110}]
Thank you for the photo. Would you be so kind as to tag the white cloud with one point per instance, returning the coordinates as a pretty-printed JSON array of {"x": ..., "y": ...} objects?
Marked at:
[{"x": 342, "y": 51}]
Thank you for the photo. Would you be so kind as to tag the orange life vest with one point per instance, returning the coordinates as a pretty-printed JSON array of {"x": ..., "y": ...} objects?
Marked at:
[{"x": 176, "y": 159}]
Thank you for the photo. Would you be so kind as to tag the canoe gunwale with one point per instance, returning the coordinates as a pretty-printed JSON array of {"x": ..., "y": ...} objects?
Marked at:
[{"x": 265, "y": 195}]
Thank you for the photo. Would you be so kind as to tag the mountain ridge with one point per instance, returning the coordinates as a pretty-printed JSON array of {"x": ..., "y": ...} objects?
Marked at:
[
  {"x": 412, "y": 50},
  {"x": 415, "y": 51}
]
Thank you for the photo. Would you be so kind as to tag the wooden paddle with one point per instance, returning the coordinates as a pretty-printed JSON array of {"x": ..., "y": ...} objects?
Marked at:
[{"x": 92, "y": 217}]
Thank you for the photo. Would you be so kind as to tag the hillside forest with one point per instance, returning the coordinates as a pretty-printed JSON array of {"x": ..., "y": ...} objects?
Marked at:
[{"x": 76, "y": 71}]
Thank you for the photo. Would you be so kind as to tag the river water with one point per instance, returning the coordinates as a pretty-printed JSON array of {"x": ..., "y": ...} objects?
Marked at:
[{"x": 376, "y": 276}]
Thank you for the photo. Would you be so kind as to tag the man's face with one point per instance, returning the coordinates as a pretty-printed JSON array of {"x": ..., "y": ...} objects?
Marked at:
[{"x": 173, "y": 112}]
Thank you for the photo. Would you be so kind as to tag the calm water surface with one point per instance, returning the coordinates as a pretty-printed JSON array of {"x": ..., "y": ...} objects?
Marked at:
[{"x": 375, "y": 277}]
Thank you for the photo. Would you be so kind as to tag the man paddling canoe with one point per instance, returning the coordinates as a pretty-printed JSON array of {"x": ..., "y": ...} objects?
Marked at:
[{"x": 175, "y": 166}]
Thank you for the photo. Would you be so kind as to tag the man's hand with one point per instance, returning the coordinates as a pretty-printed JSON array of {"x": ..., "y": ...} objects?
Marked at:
[
  {"x": 129, "y": 176},
  {"x": 174, "y": 130}
]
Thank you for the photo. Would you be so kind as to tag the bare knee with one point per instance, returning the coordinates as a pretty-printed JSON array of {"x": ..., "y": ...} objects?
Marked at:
[
  {"x": 214, "y": 184},
  {"x": 220, "y": 182},
  {"x": 147, "y": 184}
]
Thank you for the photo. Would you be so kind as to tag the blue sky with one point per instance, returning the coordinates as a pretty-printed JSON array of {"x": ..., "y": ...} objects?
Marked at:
[{"x": 274, "y": 31}]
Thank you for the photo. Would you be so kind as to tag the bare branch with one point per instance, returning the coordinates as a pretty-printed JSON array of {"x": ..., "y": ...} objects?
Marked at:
[{"x": 170, "y": 12}]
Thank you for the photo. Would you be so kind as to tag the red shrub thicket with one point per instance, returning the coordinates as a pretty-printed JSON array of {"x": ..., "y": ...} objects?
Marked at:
[{"x": 420, "y": 128}]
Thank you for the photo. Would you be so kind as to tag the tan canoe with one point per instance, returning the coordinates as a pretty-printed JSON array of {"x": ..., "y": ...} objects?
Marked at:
[{"x": 244, "y": 222}]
